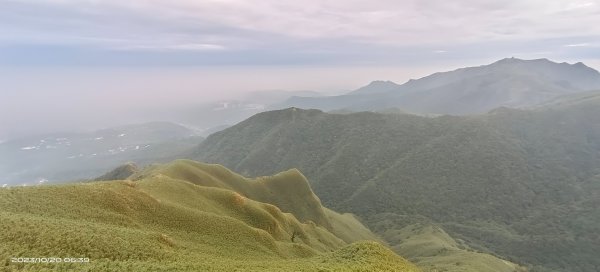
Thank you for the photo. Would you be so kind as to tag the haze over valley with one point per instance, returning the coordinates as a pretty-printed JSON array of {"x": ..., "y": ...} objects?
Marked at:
[{"x": 406, "y": 136}]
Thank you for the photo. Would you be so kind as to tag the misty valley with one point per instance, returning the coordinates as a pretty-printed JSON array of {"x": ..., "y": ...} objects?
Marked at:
[{"x": 485, "y": 168}]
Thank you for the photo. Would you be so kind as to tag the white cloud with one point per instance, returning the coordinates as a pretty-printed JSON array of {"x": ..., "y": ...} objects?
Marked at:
[
  {"x": 218, "y": 24},
  {"x": 578, "y": 45},
  {"x": 172, "y": 47},
  {"x": 580, "y": 5}
]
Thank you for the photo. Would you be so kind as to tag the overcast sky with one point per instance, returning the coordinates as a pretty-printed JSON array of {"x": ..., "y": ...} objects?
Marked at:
[{"x": 61, "y": 58}]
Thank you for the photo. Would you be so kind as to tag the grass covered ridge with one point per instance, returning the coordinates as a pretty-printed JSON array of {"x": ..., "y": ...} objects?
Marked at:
[{"x": 167, "y": 220}]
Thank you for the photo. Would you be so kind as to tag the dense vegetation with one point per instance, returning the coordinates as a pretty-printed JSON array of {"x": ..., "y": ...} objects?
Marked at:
[
  {"x": 184, "y": 216},
  {"x": 522, "y": 184}
]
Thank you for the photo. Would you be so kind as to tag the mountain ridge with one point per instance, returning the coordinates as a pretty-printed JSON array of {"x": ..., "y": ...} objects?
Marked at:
[
  {"x": 530, "y": 167},
  {"x": 508, "y": 82}
]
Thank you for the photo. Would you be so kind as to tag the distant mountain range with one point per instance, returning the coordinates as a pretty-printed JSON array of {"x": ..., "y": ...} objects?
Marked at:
[
  {"x": 521, "y": 184},
  {"x": 69, "y": 156},
  {"x": 510, "y": 82}
]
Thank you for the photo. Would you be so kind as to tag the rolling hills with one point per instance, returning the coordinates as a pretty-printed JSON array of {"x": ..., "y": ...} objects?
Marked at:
[
  {"x": 186, "y": 216},
  {"x": 509, "y": 82},
  {"x": 521, "y": 184}
]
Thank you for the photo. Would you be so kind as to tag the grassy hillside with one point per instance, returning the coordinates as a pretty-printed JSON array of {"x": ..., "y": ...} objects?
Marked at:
[
  {"x": 162, "y": 223},
  {"x": 522, "y": 184},
  {"x": 288, "y": 190}
]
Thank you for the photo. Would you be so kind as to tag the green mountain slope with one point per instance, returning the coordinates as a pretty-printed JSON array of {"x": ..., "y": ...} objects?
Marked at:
[
  {"x": 287, "y": 190},
  {"x": 521, "y": 184},
  {"x": 158, "y": 221}
]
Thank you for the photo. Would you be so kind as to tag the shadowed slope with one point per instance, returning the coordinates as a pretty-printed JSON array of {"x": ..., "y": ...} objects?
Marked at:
[{"x": 120, "y": 173}]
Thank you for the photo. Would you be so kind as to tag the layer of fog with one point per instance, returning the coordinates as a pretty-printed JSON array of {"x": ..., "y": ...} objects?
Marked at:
[{"x": 50, "y": 99}]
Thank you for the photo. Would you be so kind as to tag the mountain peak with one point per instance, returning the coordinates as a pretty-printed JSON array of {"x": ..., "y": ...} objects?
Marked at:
[
  {"x": 508, "y": 60},
  {"x": 510, "y": 82},
  {"x": 513, "y": 60},
  {"x": 377, "y": 86},
  {"x": 579, "y": 75},
  {"x": 381, "y": 83},
  {"x": 581, "y": 65}
]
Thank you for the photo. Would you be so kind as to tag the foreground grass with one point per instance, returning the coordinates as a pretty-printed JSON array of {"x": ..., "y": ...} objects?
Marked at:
[{"x": 168, "y": 223}]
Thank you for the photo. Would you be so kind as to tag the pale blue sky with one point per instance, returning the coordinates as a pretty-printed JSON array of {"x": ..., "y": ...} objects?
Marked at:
[{"x": 62, "y": 60}]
